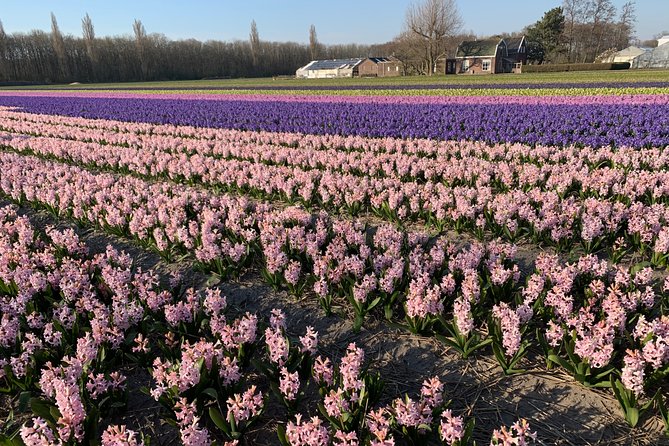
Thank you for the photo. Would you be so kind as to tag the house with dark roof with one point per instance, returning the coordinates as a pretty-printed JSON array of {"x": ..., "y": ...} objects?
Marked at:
[
  {"x": 516, "y": 49},
  {"x": 488, "y": 56},
  {"x": 380, "y": 67},
  {"x": 320, "y": 69}
]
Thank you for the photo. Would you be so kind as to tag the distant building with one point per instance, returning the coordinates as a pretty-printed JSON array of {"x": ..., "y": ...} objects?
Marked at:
[
  {"x": 653, "y": 57},
  {"x": 489, "y": 56},
  {"x": 322, "y": 69},
  {"x": 657, "y": 57},
  {"x": 478, "y": 57},
  {"x": 516, "y": 50},
  {"x": 630, "y": 54},
  {"x": 662, "y": 40},
  {"x": 380, "y": 67}
]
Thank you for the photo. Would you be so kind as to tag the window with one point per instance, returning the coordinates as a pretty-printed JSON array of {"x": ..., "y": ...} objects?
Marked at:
[
  {"x": 465, "y": 65},
  {"x": 485, "y": 65}
]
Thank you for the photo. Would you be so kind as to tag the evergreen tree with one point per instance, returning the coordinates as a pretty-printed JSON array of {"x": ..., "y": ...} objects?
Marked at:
[{"x": 545, "y": 37}]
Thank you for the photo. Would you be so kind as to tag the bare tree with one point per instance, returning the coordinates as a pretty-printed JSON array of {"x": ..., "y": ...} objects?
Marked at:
[
  {"x": 431, "y": 23},
  {"x": 254, "y": 39},
  {"x": 141, "y": 44},
  {"x": 573, "y": 14},
  {"x": 59, "y": 47},
  {"x": 406, "y": 48},
  {"x": 627, "y": 18},
  {"x": 313, "y": 43},
  {"x": 4, "y": 63},
  {"x": 88, "y": 33},
  {"x": 599, "y": 13}
]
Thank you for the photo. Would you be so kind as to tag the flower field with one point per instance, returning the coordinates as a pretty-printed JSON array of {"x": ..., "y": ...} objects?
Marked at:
[{"x": 522, "y": 226}]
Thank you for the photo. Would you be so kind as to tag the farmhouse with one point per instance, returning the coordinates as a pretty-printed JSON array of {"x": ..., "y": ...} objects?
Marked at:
[
  {"x": 380, "y": 67},
  {"x": 321, "y": 69},
  {"x": 488, "y": 56}
]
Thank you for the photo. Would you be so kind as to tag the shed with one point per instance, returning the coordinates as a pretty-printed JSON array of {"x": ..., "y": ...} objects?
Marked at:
[{"x": 332, "y": 68}]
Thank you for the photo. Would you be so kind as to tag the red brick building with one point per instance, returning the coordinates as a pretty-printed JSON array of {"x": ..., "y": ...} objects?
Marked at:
[{"x": 380, "y": 67}]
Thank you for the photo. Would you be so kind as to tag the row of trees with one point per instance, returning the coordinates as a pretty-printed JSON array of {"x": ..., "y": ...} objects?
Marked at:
[
  {"x": 39, "y": 56},
  {"x": 580, "y": 31},
  {"x": 431, "y": 31}
]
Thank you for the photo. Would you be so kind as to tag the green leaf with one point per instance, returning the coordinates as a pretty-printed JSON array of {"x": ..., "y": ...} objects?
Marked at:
[
  {"x": 639, "y": 266},
  {"x": 281, "y": 433},
  {"x": 664, "y": 412},
  {"x": 218, "y": 420},
  {"x": 561, "y": 362},
  {"x": 42, "y": 409},
  {"x": 210, "y": 391},
  {"x": 374, "y": 303},
  {"x": 24, "y": 401},
  {"x": 425, "y": 427},
  {"x": 469, "y": 429},
  {"x": 10, "y": 441},
  {"x": 55, "y": 413},
  {"x": 632, "y": 416}
]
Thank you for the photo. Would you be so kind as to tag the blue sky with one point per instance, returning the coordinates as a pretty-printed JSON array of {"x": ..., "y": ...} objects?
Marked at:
[{"x": 336, "y": 21}]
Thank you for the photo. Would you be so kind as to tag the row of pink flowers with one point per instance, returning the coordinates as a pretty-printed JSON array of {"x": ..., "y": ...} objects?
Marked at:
[
  {"x": 638, "y": 99},
  {"x": 625, "y": 171},
  {"x": 134, "y": 133},
  {"x": 506, "y": 197},
  {"x": 112, "y": 298}
]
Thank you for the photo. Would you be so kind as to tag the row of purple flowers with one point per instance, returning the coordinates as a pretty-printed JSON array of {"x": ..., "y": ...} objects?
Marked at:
[{"x": 593, "y": 125}]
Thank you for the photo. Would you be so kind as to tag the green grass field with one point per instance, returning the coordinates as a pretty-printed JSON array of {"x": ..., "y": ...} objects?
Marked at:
[{"x": 539, "y": 78}]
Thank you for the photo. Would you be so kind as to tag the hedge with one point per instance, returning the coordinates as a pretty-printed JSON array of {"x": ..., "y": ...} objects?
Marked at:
[{"x": 554, "y": 68}]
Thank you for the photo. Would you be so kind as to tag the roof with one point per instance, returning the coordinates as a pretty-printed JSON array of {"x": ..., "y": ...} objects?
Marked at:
[
  {"x": 513, "y": 44},
  {"x": 631, "y": 51},
  {"x": 332, "y": 64},
  {"x": 478, "y": 48},
  {"x": 379, "y": 59}
]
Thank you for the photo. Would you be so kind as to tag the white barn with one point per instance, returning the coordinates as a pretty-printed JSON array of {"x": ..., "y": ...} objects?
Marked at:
[
  {"x": 628, "y": 54},
  {"x": 323, "y": 69}
]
